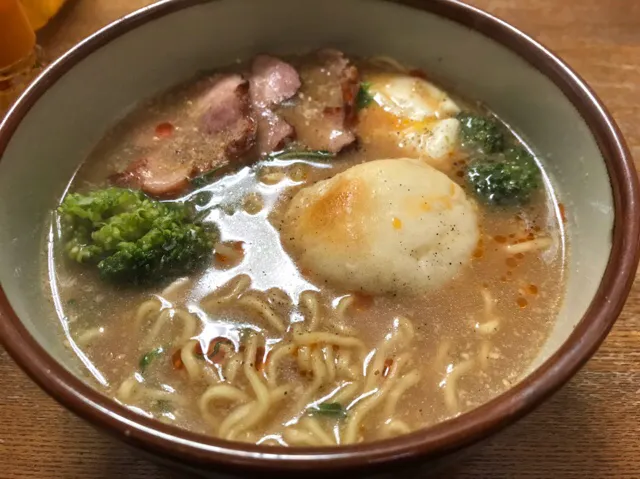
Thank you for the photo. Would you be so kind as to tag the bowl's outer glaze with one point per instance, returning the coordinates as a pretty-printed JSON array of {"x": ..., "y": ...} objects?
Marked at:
[{"x": 79, "y": 96}]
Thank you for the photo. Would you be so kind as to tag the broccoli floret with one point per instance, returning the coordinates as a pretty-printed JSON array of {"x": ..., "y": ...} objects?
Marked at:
[
  {"x": 507, "y": 179},
  {"x": 131, "y": 237},
  {"x": 482, "y": 132}
]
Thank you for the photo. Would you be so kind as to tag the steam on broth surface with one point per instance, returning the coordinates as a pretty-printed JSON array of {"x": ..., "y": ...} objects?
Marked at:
[{"x": 383, "y": 255}]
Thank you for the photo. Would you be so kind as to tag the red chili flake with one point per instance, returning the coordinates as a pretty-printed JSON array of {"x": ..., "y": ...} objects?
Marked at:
[
  {"x": 220, "y": 258},
  {"x": 387, "y": 367},
  {"x": 164, "y": 130},
  {"x": 176, "y": 359},
  {"x": 214, "y": 352},
  {"x": 259, "y": 363},
  {"x": 563, "y": 213}
]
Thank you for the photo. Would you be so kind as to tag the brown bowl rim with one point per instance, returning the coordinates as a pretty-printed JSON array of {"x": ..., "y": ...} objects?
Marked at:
[{"x": 440, "y": 440}]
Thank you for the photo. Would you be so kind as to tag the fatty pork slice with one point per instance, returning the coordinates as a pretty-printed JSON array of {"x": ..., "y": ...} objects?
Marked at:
[
  {"x": 223, "y": 130},
  {"x": 323, "y": 114},
  {"x": 226, "y": 116},
  {"x": 272, "y": 81}
]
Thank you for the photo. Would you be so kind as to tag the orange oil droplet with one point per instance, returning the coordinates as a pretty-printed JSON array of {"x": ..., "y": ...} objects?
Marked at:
[
  {"x": 397, "y": 223},
  {"x": 164, "y": 130},
  {"x": 362, "y": 301},
  {"x": 176, "y": 359}
]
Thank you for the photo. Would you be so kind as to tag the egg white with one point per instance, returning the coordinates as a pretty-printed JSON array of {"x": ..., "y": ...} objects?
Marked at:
[
  {"x": 426, "y": 127},
  {"x": 411, "y": 97}
]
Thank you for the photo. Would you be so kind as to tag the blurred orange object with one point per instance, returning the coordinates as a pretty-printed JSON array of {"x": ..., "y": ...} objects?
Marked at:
[
  {"x": 17, "y": 39},
  {"x": 18, "y": 51},
  {"x": 40, "y": 12}
]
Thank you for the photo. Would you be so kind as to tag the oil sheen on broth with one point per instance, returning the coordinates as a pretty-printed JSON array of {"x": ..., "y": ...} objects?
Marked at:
[{"x": 319, "y": 319}]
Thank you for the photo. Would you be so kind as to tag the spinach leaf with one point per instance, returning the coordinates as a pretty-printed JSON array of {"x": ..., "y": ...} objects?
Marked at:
[
  {"x": 148, "y": 358},
  {"x": 329, "y": 409},
  {"x": 302, "y": 155},
  {"x": 364, "y": 97}
]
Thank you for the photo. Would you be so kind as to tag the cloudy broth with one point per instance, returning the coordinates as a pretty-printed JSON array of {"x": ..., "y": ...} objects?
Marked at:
[{"x": 254, "y": 347}]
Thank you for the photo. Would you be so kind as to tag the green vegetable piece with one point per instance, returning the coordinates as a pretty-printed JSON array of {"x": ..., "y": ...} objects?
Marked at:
[
  {"x": 201, "y": 198},
  {"x": 481, "y": 132},
  {"x": 508, "y": 179},
  {"x": 364, "y": 97},
  {"x": 302, "y": 155},
  {"x": 216, "y": 347},
  {"x": 205, "y": 178},
  {"x": 329, "y": 409},
  {"x": 131, "y": 237},
  {"x": 162, "y": 405},
  {"x": 148, "y": 358}
]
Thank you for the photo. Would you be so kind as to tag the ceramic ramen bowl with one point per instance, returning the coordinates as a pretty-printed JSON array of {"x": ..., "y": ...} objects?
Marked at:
[{"x": 56, "y": 123}]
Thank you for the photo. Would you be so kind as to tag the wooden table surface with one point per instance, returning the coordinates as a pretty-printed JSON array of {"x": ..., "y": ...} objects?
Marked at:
[{"x": 591, "y": 429}]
